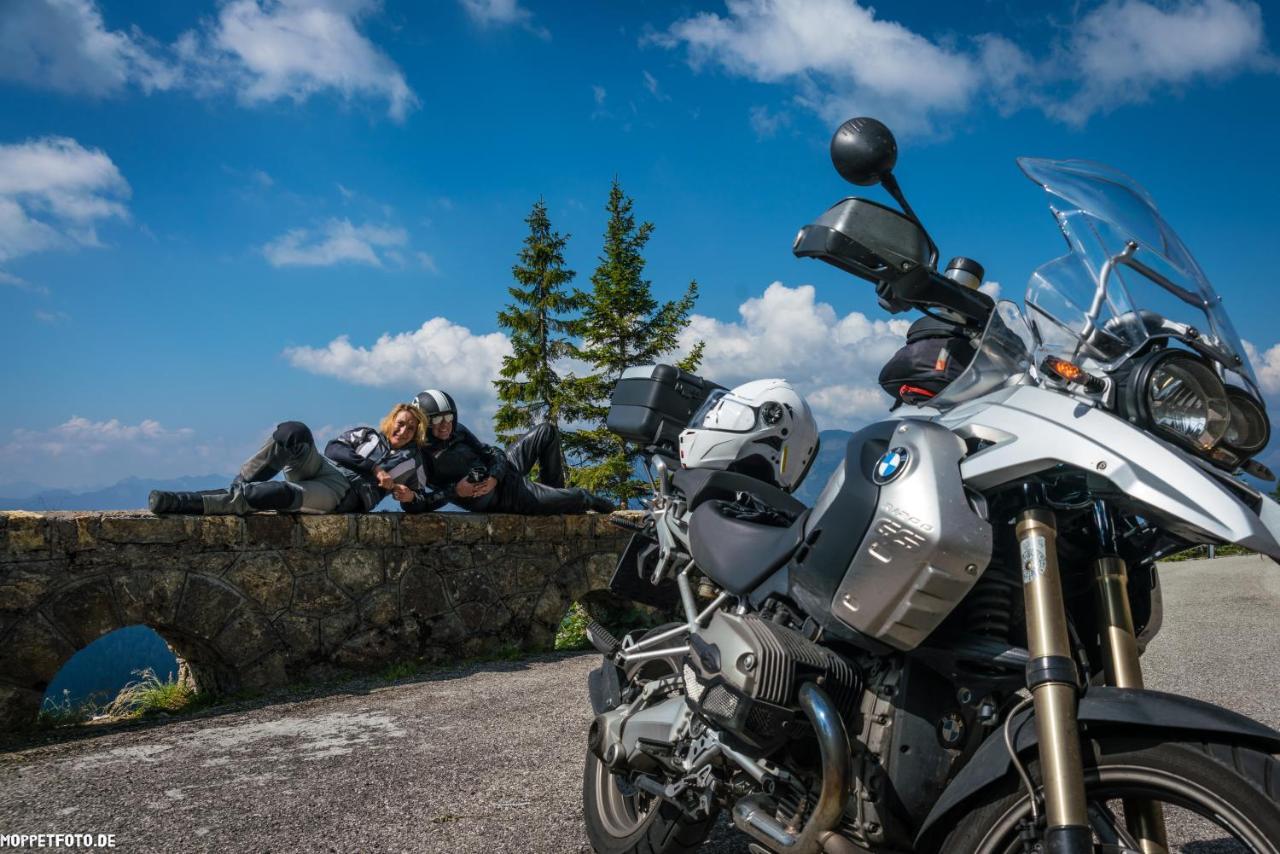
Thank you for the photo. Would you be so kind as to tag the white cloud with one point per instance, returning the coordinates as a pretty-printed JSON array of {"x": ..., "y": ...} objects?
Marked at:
[
  {"x": 337, "y": 241},
  {"x": 655, "y": 89},
  {"x": 82, "y": 453},
  {"x": 64, "y": 45},
  {"x": 53, "y": 194},
  {"x": 765, "y": 123},
  {"x": 22, "y": 284},
  {"x": 834, "y": 361},
  {"x": 840, "y": 60},
  {"x": 81, "y": 437},
  {"x": 1266, "y": 366},
  {"x": 260, "y": 50},
  {"x": 440, "y": 354},
  {"x": 268, "y": 50},
  {"x": 51, "y": 317},
  {"x": 1124, "y": 50},
  {"x": 427, "y": 262},
  {"x": 503, "y": 13}
]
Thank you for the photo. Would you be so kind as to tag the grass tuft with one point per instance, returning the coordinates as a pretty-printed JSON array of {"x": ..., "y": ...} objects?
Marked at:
[
  {"x": 400, "y": 670},
  {"x": 150, "y": 694},
  {"x": 65, "y": 713},
  {"x": 1201, "y": 552}
]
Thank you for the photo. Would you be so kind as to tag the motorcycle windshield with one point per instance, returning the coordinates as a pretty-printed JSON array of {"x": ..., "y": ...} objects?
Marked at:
[{"x": 1127, "y": 277}]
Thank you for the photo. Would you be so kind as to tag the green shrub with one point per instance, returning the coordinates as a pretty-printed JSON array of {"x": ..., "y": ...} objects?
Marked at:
[{"x": 572, "y": 633}]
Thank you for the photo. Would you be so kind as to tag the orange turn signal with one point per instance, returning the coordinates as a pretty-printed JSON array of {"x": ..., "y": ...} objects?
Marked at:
[{"x": 1072, "y": 373}]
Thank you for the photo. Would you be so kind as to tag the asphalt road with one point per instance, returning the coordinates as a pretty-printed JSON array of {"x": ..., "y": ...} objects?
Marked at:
[{"x": 485, "y": 759}]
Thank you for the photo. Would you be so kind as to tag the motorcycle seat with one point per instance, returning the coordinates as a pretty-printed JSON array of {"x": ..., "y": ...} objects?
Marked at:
[
  {"x": 700, "y": 485},
  {"x": 738, "y": 554}
]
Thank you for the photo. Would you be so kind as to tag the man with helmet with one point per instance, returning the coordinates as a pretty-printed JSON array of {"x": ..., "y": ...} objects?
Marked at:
[
  {"x": 485, "y": 478},
  {"x": 763, "y": 429}
]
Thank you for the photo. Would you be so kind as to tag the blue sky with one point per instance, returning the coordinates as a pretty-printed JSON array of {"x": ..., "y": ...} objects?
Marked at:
[{"x": 218, "y": 215}]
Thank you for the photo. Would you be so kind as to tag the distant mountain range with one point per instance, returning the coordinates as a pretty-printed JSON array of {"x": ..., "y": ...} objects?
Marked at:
[
  {"x": 129, "y": 494},
  {"x": 830, "y": 456}
]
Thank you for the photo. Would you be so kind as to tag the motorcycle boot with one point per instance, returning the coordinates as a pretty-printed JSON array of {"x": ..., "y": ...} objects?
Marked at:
[
  {"x": 535, "y": 499},
  {"x": 540, "y": 447},
  {"x": 162, "y": 502}
]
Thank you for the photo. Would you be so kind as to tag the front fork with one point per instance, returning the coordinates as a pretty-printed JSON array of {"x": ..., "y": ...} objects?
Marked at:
[
  {"x": 1052, "y": 680},
  {"x": 1145, "y": 819}
]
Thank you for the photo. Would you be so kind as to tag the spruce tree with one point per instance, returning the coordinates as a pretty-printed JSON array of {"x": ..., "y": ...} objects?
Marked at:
[
  {"x": 530, "y": 390},
  {"x": 622, "y": 325}
]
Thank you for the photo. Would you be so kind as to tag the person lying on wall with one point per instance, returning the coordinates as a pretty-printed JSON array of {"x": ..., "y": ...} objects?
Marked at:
[
  {"x": 488, "y": 479},
  {"x": 358, "y": 469}
]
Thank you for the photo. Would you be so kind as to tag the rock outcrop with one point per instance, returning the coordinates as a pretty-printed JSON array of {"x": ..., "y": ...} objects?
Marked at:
[{"x": 259, "y": 601}]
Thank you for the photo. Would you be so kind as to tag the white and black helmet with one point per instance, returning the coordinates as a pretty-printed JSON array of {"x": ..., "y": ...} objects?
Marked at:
[
  {"x": 433, "y": 401},
  {"x": 763, "y": 428}
]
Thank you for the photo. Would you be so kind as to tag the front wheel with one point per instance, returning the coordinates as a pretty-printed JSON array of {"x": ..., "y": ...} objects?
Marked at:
[
  {"x": 623, "y": 820},
  {"x": 1215, "y": 797}
]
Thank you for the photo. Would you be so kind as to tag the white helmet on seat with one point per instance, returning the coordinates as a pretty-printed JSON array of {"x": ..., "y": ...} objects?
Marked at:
[{"x": 763, "y": 428}]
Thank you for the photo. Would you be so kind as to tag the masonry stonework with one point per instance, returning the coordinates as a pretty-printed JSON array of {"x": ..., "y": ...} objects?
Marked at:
[{"x": 263, "y": 600}]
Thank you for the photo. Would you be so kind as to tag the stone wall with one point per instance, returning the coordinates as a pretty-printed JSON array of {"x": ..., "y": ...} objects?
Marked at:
[{"x": 260, "y": 601}]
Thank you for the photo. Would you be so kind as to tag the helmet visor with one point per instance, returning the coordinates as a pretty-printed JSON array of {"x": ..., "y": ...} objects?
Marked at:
[{"x": 721, "y": 411}]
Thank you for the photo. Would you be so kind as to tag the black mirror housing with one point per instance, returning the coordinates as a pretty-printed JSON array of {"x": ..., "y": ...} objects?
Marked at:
[{"x": 863, "y": 150}]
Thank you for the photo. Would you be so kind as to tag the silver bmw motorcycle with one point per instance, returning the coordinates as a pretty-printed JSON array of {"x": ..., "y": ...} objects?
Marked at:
[{"x": 943, "y": 653}]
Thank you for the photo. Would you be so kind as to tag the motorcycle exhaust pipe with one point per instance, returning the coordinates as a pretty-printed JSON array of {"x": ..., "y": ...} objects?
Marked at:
[{"x": 753, "y": 815}]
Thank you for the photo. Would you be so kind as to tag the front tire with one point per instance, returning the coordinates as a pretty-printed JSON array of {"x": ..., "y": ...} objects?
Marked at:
[
  {"x": 1212, "y": 790},
  {"x": 619, "y": 823},
  {"x": 621, "y": 820}
]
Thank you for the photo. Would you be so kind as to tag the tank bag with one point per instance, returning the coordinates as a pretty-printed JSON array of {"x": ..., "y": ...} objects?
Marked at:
[{"x": 936, "y": 353}]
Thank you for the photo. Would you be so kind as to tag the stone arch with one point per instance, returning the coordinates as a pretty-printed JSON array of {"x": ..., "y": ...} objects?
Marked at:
[
  {"x": 225, "y": 644},
  {"x": 256, "y": 601},
  {"x": 585, "y": 580}
]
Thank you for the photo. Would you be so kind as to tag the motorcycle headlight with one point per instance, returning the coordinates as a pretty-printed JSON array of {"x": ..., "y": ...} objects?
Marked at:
[
  {"x": 1180, "y": 397},
  {"x": 1249, "y": 430}
]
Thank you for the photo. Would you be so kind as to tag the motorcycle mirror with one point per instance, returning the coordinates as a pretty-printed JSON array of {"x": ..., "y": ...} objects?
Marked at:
[{"x": 863, "y": 151}]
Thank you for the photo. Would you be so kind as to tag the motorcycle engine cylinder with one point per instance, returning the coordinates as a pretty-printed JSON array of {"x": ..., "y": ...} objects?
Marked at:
[{"x": 747, "y": 672}]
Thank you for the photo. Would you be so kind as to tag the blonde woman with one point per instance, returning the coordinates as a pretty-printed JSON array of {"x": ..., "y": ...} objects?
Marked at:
[{"x": 358, "y": 469}]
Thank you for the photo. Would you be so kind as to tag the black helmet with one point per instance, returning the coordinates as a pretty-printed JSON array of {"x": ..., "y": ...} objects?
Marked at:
[{"x": 433, "y": 401}]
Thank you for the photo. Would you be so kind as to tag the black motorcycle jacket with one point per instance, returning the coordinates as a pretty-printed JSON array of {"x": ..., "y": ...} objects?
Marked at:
[
  {"x": 449, "y": 460},
  {"x": 360, "y": 451}
]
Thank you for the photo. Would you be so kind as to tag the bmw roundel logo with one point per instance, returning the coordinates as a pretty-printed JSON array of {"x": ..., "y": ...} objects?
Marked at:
[{"x": 891, "y": 464}]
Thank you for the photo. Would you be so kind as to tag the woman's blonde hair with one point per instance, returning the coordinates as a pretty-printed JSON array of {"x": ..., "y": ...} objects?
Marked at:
[{"x": 388, "y": 424}]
